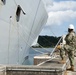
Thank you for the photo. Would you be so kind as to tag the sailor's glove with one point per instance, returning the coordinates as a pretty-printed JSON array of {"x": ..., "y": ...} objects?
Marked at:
[{"x": 58, "y": 47}]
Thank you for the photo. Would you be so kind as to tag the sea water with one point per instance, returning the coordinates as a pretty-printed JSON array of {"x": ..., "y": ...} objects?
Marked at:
[{"x": 34, "y": 52}]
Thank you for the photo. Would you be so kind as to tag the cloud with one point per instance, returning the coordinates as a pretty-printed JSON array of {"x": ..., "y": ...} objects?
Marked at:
[
  {"x": 57, "y": 18},
  {"x": 61, "y": 12},
  {"x": 62, "y": 5},
  {"x": 48, "y": 2}
]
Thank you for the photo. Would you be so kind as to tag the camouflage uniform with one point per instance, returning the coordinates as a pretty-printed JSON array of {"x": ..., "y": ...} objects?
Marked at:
[{"x": 69, "y": 47}]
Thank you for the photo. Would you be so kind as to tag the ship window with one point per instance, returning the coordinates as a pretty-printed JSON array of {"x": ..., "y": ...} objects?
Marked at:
[
  {"x": 18, "y": 12},
  {"x": 4, "y": 1}
]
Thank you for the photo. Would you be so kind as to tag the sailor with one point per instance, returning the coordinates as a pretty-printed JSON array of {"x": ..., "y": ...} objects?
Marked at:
[{"x": 69, "y": 47}]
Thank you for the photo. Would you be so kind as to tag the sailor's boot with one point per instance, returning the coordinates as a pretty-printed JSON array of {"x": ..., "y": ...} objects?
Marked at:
[
  {"x": 63, "y": 61},
  {"x": 71, "y": 68}
]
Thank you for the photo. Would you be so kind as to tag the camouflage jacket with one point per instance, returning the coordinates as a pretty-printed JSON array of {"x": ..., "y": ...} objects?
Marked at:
[{"x": 71, "y": 39}]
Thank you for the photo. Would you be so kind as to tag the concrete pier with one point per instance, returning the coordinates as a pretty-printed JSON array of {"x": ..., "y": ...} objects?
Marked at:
[
  {"x": 50, "y": 67},
  {"x": 30, "y": 70}
]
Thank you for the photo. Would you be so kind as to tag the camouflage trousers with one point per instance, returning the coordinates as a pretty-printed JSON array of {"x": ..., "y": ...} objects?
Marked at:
[{"x": 68, "y": 50}]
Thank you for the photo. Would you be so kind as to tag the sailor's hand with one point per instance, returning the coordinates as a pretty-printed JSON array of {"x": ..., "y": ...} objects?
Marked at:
[{"x": 58, "y": 47}]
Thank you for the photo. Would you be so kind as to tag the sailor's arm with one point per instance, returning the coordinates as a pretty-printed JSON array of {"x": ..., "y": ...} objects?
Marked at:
[{"x": 62, "y": 43}]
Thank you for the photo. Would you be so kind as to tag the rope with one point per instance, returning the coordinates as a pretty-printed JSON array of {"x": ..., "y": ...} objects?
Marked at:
[
  {"x": 27, "y": 34},
  {"x": 32, "y": 24},
  {"x": 9, "y": 39},
  {"x": 51, "y": 54},
  {"x": 32, "y": 38},
  {"x": 15, "y": 2},
  {"x": 52, "y": 31},
  {"x": 45, "y": 61},
  {"x": 24, "y": 39},
  {"x": 34, "y": 20},
  {"x": 4, "y": 20},
  {"x": 40, "y": 51},
  {"x": 55, "y": 46},
  {"x": 18, "y": 40}
]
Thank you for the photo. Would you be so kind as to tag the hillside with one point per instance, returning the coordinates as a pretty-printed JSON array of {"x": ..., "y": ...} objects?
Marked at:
[{"x": 47, "y": 41}]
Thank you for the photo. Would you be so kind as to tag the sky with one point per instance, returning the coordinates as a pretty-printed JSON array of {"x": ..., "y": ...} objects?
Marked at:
[{"x": 61, "y": 13}]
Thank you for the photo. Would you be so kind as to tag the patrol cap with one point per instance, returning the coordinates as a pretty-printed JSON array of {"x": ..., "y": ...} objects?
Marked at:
[{"x": 71, "y": 26}]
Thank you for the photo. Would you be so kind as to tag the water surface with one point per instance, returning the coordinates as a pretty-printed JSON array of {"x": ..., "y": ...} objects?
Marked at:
[{"x": 36, "y": 51}]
